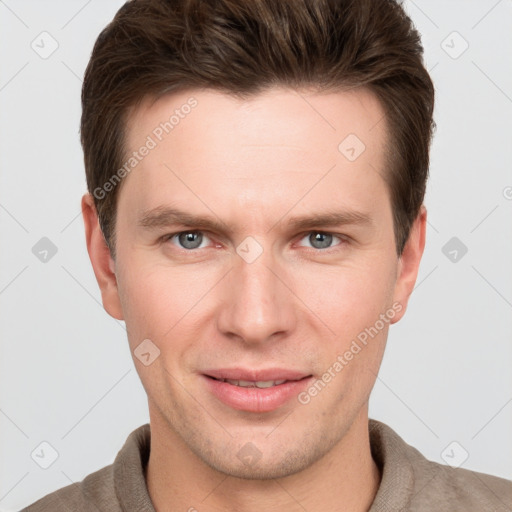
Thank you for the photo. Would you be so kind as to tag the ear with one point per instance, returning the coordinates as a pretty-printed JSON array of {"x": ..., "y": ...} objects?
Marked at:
[
  {"x": 409, "y": 263},
  {"x": 102, "y": 262}
]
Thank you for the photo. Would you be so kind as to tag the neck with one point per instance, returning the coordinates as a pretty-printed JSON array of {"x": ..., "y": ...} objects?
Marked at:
[{"x": 178, "y": 480}]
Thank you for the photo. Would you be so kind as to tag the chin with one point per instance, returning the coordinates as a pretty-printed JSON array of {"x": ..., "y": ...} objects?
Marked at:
[{"x": 250, "y": 463}]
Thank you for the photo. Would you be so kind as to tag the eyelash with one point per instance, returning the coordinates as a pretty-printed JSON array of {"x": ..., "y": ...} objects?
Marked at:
[{"x": 342, "y": 238}]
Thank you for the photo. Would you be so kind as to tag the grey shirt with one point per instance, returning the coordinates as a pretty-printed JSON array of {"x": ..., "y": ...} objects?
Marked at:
[{"x": 409, "y": 482}]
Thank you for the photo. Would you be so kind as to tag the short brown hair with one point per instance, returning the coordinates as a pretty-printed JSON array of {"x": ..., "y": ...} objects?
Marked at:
[{"x": 153, "y": 47}]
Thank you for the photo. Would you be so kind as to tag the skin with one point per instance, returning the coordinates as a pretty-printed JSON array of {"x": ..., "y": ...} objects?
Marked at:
[{"x": 253, "y": 165}]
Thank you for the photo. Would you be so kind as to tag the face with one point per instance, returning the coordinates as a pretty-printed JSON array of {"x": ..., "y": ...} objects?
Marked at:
[{"x": 255, "y": 243}]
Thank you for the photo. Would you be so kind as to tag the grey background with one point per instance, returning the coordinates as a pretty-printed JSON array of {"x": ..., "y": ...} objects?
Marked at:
[{"x": 66, "y": 374}]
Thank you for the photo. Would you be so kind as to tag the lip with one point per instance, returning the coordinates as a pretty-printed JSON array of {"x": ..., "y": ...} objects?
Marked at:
[
  {"x": 254, "y": 375},
  {"x": 256, "y": 400}
]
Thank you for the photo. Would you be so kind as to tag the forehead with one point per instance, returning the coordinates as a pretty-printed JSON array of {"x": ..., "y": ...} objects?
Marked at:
[
  {"x": 267, "y": 146},
  {"x": 277, "y": 115}
]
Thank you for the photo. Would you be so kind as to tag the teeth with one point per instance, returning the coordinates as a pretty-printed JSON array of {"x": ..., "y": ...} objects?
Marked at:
[{"x": 254, "y": 384}]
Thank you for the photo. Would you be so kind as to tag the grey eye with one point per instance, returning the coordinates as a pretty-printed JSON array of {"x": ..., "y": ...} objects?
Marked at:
[
  {"x": 320, "y": 240},
  {"x": 190, "y": 239}
]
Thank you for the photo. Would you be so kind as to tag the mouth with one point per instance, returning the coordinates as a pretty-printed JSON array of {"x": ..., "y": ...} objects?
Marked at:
[
  {"x": 261, "y": 384},
  {"x": 264, "y": 375},
  {"x": 255, "y": 391}
]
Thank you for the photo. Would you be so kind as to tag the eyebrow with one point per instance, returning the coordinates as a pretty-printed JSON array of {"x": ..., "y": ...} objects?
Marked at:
[{"x": 163, "y": 216}]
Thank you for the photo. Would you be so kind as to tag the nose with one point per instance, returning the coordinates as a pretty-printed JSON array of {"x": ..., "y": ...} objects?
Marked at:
[{"x": 256, "y": 305}]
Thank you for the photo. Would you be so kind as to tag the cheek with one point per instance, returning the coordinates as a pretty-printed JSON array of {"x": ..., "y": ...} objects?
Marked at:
[
  {"x": 347, "y": 299},
  {"x": 158, "y": 301},
  {"x": 353, "y": 308}
]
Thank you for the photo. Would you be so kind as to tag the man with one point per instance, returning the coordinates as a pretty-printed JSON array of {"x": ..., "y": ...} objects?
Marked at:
[{"x": 256, "y": 173}]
